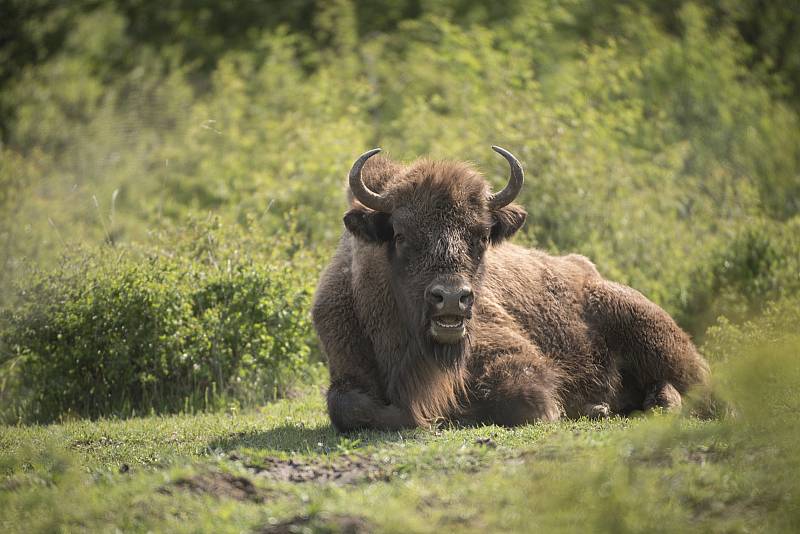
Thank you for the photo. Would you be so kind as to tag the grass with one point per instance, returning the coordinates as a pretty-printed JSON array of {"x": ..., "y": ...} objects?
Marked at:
[{"x": 284, "y": 469}]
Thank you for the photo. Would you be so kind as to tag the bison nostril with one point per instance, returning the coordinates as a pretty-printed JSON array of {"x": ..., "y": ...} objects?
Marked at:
[
  {"x": 436, "y": 295},
  {"x": 465, "y": 301}
]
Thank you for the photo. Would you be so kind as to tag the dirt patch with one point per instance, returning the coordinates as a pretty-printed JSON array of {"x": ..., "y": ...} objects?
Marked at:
[
  {"x": 342, "y": 470},
  {"x": 219, "y": 485},
  {"x": 344, "y": 524}
]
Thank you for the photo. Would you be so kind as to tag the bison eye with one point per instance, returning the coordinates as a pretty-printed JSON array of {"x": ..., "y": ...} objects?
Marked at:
[{"x": 399, "y": 239}]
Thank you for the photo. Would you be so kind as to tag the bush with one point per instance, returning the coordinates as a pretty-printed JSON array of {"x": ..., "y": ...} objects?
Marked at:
[
  {"x": 758, "y": 266},
  {"x": 727, "y": 341},
  {"x": 652, "y": 134},
  {"x": 124, "y": 332}
]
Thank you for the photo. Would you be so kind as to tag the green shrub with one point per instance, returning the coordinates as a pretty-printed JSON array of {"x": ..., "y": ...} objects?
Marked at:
[
  {"x": 727, "y": 341},
  {"x": 122, "y": 332},
  {"x": 652, "y": 135},
  {"x": 741, "y": 277}
]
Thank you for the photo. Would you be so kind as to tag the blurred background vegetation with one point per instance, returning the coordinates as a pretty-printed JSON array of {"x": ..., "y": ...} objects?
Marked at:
[{"x": 172, "y": 173}]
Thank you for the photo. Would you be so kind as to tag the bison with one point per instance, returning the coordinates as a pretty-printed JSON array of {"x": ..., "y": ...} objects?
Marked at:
[{"x": 427, "y": 313}]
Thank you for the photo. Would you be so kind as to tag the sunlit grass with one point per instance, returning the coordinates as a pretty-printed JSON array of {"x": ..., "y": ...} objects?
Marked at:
[{"x": 736, "y": 473}]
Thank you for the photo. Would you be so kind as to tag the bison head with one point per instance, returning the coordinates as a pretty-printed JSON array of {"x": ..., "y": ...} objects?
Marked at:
[{"x": 436, "y": 221}]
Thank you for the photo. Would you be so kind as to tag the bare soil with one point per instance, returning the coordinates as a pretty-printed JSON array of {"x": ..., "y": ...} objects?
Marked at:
[
  {"x": 218, "y": 484},
  {"x": 344, "y": 524},
  {"x": 349, "y": 469}
]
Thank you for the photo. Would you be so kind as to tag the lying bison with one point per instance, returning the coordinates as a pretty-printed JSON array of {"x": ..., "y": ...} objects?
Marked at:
[{"x": 427, "y": 313}]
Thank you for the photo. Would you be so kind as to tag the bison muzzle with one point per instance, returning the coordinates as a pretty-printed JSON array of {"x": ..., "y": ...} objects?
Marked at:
[{"x": 428, "y": 313}]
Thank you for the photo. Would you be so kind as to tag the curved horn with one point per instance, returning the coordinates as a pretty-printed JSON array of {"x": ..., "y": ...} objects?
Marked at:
[
  {"x": 511, "y": 190},
  {"x": 364, "y": 194}
]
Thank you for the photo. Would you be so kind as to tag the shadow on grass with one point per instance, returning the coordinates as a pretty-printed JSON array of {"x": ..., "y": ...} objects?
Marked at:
[{"x": 306, "y": 439}]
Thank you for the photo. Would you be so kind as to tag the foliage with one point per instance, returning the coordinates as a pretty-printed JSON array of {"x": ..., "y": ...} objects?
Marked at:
[
  {"x": 660, "y": 139},
  {"x": 727, "y": 341},
  {"x": 125, "y": 331},
  {"x": 756, "y": 269}
]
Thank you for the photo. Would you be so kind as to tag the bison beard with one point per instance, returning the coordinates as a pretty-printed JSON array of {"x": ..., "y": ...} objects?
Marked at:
[
  {"x": 425, "y": 247},
  {"x": 432, "y": 383}
]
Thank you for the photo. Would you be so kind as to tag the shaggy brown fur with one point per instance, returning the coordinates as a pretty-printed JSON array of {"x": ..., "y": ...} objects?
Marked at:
[{"x": 548, "y": 336}]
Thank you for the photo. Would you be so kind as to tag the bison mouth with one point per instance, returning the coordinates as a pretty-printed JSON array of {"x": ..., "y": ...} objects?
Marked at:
[{"x": 448, "y": 328}]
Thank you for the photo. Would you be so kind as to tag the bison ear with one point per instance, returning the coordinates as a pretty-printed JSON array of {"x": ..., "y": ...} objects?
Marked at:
[
  {"x": 368, "y": 225},
  {"x": 507, "y": 220}
]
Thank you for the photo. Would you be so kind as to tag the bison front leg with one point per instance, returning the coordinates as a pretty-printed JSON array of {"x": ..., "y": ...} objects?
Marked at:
[
  {"x": 355, "y": 397},
  {"x": 658, "y": 358},
  {"x": 513, "y": 384},
  {"x": 352, "y": 409}
]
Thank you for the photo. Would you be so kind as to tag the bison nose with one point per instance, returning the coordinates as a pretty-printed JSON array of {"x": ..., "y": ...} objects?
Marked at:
[{"x": 450, "y": 300}]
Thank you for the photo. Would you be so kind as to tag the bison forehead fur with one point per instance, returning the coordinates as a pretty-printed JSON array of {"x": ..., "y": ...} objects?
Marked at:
[{"x": 426, "y": 313}]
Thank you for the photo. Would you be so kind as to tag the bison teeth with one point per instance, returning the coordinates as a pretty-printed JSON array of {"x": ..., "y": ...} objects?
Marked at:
[{"x": 449, "y": 322}]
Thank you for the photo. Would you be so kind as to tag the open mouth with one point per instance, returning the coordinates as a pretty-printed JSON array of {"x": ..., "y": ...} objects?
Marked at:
[
  {"x": 448, "y": 328},
  {"x": 449, "y": 321}
]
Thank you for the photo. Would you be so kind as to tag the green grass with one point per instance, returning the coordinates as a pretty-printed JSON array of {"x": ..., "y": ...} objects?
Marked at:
[{"x": 236, "y": 472}]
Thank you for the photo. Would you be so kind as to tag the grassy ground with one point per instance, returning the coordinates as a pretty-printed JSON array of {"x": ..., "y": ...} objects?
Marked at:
[{"x": 283, "y": 469}]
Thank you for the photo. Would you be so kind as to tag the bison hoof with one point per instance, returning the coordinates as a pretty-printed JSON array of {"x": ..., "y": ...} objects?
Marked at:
[
  {"x": 662, "y": 395},
  {"x": 597, "y": 411}
]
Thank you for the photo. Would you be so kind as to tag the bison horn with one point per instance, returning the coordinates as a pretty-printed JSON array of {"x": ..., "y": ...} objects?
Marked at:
[
  {"x": 511, "y": 190},
  {"x": 364, "y": 194}
]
